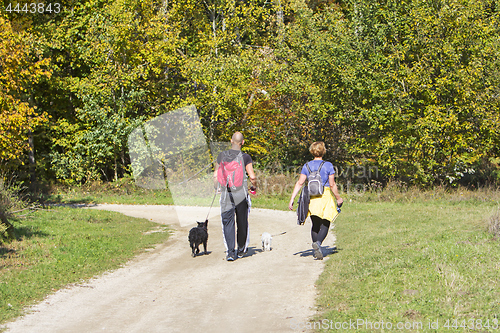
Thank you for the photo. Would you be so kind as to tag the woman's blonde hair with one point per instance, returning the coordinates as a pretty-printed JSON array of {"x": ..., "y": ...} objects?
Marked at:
[{"x": 317, "y": 149}]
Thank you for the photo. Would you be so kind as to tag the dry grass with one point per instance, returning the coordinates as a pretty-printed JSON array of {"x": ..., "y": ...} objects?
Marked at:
[
  {"x": 275, "y": 184},
  {"x": 494, "y": 224},
  {"x": 281, "y": 185},
  {"x": 397, "y": 192}
]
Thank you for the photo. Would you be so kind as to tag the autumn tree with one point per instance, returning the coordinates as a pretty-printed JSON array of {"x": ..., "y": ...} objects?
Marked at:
[{"x": 21, "y": 67}]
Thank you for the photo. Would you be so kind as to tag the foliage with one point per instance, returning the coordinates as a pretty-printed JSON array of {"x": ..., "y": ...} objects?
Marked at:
[
  {"x": 127, "y": 49},
  {"x": 403, "y": 84},
  {"x": 443, "y": 91},
  {"x": 409, "y": 87}
]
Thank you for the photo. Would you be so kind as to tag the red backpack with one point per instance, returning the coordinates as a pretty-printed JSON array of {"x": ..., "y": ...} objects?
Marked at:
[{"x": 231, "y": 171}]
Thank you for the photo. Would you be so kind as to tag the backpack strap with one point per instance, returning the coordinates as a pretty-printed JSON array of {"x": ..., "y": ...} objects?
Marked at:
[
  {"x": 322, "y": 162},
  {"x": 240, "y": 158},
  {"x": 308, "y": 169},
  {"x": 319, "y": 169}
]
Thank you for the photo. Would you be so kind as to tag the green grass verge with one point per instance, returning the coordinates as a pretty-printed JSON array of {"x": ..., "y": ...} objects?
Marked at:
[
  {"x": 412, "y": 263},
  {"x": 270, "y": 202},
  {"x": 63, "y": 246}
]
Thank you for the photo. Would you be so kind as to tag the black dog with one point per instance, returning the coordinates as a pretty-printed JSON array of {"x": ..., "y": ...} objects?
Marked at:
[{"x": 198, "y": 235}]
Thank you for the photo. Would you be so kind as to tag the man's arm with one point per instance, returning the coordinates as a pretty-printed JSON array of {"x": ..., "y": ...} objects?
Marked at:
[{"x": 251, "y": 174}]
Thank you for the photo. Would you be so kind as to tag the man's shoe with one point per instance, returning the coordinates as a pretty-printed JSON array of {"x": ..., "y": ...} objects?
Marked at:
[
  {"x": 230, "y": 257},
  {"x": 241, "y": 253},
  {"x": 317, "y": 251}
]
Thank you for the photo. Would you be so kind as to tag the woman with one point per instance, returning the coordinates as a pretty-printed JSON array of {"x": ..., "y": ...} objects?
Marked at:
[{"x": 322, "y": 208}]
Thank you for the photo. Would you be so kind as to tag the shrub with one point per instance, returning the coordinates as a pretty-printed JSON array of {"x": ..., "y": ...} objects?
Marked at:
[{"x": 9, "y": 201}]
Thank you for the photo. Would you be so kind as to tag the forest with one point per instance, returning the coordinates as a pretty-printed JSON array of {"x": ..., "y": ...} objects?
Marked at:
[{"x": 410, "y": 88}]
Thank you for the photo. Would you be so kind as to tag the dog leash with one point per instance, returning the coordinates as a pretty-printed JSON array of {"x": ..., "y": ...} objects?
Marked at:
[
  {"x": 284, "y": 232},
  {"x": 215, "y": 194},
  {"x": 338, "y": 210}
]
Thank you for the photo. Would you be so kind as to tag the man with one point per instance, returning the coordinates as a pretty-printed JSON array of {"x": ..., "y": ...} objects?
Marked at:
[{"x": 230, "y": 175}]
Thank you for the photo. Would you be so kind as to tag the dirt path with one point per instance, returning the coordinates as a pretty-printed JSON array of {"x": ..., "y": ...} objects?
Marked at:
[{"x": 166, "y": 290}]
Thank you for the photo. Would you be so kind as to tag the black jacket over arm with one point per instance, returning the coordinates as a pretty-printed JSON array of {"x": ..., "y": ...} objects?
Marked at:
[{"x": 303, "y": 205}]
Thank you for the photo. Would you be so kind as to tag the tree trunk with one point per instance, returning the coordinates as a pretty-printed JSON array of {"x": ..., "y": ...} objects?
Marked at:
[
  {"x": 116, "y": 169},
  {"x": 32, "y": 165},
  {"x": 280, "y": 22}
]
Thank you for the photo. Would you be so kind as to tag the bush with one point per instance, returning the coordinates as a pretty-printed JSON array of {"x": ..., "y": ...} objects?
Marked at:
[{"x": 9, "y": 201}]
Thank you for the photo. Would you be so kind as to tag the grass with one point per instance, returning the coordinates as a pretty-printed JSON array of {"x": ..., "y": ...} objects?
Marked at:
[
  {"x": 63, "y": 246},
  {"x": 271, "y": 202},
  {"x": 421, "y": 262}
]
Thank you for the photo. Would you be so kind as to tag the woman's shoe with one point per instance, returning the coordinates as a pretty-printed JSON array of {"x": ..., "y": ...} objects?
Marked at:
[{"x": 317, "y": 251}]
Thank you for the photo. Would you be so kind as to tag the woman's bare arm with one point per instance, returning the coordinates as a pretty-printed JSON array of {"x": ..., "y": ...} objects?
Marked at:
[{"x": 296, "y": 189}]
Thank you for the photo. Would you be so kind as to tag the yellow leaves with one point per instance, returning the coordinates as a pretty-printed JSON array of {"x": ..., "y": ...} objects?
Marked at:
[
  {"x": 15, "y": 123},
  {"x": 19, "y": 72}
]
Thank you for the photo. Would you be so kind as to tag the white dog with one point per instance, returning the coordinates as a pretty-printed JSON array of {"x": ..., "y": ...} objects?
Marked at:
[{"x": 266, "y": 241}]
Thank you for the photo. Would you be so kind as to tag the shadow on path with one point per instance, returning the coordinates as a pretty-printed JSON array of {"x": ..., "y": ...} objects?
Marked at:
[{"x": 327, "y": 250}]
